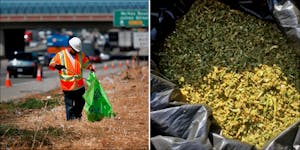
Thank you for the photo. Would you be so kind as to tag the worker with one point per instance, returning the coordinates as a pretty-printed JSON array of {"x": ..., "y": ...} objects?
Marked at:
[{"x": 69, "y": 63}]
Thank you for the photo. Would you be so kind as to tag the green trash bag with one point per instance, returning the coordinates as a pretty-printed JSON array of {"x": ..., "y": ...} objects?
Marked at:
[{"x": 97, "y": 105}]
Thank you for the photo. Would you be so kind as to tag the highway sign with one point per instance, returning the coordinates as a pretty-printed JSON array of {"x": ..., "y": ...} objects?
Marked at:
[
  {"x": 140, "y": 39},
  {"x": 130, "y": 18}
]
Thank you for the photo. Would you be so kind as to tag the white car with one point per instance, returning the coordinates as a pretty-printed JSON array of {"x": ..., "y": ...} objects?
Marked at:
[{"x": 104, "y": 56}]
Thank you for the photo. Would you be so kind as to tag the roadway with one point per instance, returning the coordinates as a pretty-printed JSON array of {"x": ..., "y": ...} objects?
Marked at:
[
  {"x": 25, "y": 78},
  {"x": 26, "y": 85},
  {"x": 115, "y": 54}
]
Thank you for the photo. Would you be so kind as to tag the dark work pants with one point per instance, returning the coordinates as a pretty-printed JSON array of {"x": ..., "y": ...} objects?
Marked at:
[{"x": 74, "y": 103}]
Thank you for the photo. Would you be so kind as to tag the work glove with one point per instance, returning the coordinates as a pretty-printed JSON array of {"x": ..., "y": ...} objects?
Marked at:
[{"x": 59, "y": 67}]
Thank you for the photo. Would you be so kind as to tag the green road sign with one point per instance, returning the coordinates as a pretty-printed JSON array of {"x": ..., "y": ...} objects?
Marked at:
[{"x": 130, "y": 18}]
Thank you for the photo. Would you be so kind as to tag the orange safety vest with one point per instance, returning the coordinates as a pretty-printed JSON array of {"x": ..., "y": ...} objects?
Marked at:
[{"x": 71, "y": 78}]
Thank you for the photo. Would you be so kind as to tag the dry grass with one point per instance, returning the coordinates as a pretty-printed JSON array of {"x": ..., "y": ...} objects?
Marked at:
[{"x": 48, "y": 128}]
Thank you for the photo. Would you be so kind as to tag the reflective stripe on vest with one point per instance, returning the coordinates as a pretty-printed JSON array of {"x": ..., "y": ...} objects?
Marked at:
[
  {"x": 69, "y": 77},
  {"x": 68, "y": 86}
]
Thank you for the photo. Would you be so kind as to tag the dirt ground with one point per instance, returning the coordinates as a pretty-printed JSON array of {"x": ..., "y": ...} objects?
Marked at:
[{"x": 48, "y": 129}]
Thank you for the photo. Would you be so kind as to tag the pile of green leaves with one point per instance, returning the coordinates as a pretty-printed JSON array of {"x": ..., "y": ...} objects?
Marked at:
[{"x": 239, "y": 65}]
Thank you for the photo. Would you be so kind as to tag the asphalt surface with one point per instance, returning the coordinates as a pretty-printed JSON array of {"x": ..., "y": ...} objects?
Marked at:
[
  {"x": 26, "y": 85},
  {"x": 18, "y": 90}
]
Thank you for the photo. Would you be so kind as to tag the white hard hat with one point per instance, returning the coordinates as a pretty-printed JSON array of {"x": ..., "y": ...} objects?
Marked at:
[{"x": 75, "y": 43}]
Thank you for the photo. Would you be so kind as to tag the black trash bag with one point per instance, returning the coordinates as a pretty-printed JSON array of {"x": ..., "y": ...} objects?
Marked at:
[
  {"x": 287, "y": 140},
  {"x": 188, "y": 127},
  {"x": 287, "y": 16},
  {"x": 222, "y": 143},
  {"x": 173, "y": 130},
  {"x": 159, "y": 84},
  {"x": 164, "y": 94},
  {"x": 185, "y": 126},
  {"x": 171, "y": 143},
  {"x": 186, "y": 121},
  {"x": 219, "y": 143},
  {"x": 182, "y": 127},
  {"x": 175, "y": 125}
]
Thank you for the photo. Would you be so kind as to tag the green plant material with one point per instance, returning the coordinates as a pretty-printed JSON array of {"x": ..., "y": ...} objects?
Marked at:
[
  {"x": 53, "y": 132},
  {"x": 7, "y": 106},
  {"x": 252, "y": 106},
  {"x": 51, "y": 103},
  {"x": 240, "y": 66},
  {"x": 212, "y": 34},
  {"x": 31, "y": 103},
  {"x": 16, "y": 137}
]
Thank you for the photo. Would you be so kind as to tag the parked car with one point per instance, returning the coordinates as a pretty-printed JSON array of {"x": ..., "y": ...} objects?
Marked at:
[
  {"x": 25, "y": 63},
  {"x": 104, "y": 57}
]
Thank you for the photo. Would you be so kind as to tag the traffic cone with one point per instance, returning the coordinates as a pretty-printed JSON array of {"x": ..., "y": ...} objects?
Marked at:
[
  {"x": 120, "y": 64},
  {"x": 7, "y": 81},
  {"x": 39, "y": 74},
  {"x": 127, "y": 63},
  {"x": 105, "y": 67},
  {"x": 112, "y": 65},
  {"x": 133, "y": 62}
]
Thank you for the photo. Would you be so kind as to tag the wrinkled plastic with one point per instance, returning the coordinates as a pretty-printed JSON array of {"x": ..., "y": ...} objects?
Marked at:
[
  {"x": 287, "y": 15},
  {"x": 288, "y": 139},
  {"x": 183, "y": 126},
  {"x": 97, "y": 105},
  {"x": 186, "y": 121},
  {"x": 180, "y": 127},
  {"x": 192, "y": 127},
  {"x": 164, "y": 94}
]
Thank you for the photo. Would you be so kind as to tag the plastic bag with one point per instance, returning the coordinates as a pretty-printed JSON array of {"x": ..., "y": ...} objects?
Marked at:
[
  {"x": 288, "y": 139},
  {"x": 287, "y": 16},
  {"x": 97, "y": 105}
]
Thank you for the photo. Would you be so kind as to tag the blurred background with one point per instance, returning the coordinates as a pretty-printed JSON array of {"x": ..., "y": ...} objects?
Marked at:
[{"x": 33, "y": 31}]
